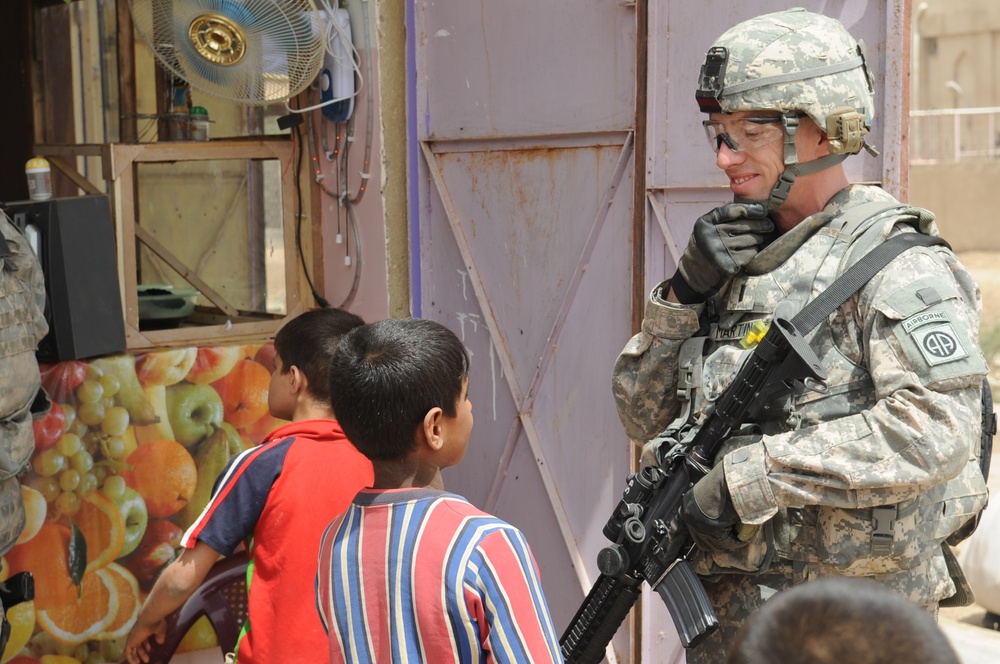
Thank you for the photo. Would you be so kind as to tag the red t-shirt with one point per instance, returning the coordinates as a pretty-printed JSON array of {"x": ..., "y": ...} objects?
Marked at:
[{"x": 279, "y": 497}]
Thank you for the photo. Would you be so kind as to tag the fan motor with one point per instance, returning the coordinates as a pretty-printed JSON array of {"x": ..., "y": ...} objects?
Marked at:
[{"x": 217, "y": 39}]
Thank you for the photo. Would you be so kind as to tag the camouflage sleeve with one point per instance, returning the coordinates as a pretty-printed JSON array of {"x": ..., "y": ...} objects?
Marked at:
[
  {"x": 918, "y": 324},
  {"x": 29, "y": 272},
  {"x": 645, "y": 372}
]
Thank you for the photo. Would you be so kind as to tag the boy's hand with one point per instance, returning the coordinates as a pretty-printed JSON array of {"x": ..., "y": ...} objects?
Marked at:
[{"x": 137, "y": 645}]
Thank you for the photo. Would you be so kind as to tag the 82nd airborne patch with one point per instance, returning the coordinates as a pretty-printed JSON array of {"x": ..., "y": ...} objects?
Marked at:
[{"x": 938, "y": 343}]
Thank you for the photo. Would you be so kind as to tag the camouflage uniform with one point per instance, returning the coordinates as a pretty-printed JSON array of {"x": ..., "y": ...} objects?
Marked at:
[
  {"x": 22, "y": 326},
  {"x": 868, "y": 476}
]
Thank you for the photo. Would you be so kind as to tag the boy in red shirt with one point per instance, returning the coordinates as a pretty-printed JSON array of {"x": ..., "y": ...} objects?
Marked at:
[{"x": 277, "y": 498}]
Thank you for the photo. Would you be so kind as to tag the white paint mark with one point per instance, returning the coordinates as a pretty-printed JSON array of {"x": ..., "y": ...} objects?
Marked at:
[
  {"x": 442, "y": 33},
  {"x": 465, "y": 276},
  {"x": 493, "y": 378},
  {"x": 461, "y": 325}
]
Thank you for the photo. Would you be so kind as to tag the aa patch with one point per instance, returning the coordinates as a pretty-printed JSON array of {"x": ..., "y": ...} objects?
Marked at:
[{"x": 939, "y": 344}]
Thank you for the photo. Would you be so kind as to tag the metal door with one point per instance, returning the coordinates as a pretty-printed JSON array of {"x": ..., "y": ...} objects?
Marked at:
[
  {"x": 521, "y": 122},
  {"x": 522, "y": 128}
]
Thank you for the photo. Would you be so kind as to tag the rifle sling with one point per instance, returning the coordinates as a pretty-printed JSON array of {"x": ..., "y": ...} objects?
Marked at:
[{"x": 857, "y": 276}]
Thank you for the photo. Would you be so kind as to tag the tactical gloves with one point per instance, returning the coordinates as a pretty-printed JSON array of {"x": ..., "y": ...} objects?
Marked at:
[
  {"x": 707, "y": 510},
  {"x": 722, "y": 242}
]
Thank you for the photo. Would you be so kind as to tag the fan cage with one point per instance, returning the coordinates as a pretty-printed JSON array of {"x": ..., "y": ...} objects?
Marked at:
[{"x": 254, "y": 52}]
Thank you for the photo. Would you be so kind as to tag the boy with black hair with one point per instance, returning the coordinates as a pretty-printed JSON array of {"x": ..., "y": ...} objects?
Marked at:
[
  {"x": 410, "y": 572},
  {"x": 277, "y": 498},
  {"x": 841, "y": 620}
]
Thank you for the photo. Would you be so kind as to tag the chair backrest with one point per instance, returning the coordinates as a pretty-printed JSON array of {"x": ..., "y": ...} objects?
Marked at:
[{"x": 222, "y": 597}]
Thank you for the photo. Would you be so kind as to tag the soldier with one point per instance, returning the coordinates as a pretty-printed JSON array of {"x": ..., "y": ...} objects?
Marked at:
[
  {"x": 869, "y": 474},
  {"x": 22, "y": 326}
]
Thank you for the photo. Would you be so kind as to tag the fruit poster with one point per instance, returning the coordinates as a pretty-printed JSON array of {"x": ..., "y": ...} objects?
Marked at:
[{"x": 123, "y": 464}]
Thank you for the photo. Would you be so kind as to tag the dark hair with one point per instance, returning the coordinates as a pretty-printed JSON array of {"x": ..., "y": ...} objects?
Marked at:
[
  {"x": 387, "y": 375},
  {"x": 309, "y": 342},
  {"x": 841, "y": 620}
]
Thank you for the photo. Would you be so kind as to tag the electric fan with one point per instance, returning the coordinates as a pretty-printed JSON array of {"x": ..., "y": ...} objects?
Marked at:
[{"x": 252, "y": 52}]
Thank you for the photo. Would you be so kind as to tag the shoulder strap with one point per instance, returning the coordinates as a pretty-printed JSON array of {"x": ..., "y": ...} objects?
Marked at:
[
  {"x": 857, "y": 218},
  {"x": 857, "y": 276}
]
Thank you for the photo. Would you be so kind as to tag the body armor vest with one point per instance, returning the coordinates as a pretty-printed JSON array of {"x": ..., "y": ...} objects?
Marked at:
[{"x": 865, "y": 542}]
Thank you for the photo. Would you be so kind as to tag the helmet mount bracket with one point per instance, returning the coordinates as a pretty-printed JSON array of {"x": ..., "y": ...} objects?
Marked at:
[{"x": 845, "y": 128}]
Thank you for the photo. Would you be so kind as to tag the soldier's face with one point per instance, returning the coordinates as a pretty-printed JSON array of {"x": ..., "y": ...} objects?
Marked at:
[{"x": 752, "y": 172}]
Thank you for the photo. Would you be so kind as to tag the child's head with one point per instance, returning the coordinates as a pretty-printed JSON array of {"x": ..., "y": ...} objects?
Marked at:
[
  {"x": 389, "y": 375},
  {"x": 308, "y": 342},
  {"x": 835, "y": 620}
]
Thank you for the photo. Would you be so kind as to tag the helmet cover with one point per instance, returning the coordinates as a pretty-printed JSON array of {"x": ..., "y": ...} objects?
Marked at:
[{"x": 788, "y": 61}]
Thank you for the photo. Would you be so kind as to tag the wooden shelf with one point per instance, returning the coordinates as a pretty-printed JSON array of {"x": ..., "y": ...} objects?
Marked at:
[{"x": 223, "y": 323}]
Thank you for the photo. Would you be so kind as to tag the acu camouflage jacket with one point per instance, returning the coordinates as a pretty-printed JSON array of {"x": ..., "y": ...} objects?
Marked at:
[{"x": 869, "y": 475}]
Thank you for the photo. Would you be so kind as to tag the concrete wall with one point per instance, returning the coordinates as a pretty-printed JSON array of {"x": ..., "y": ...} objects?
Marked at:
[
  {"x": 391, "y": 38},
  {"x": 956, "y": 46},
  {"x": 962, "y": 196}
]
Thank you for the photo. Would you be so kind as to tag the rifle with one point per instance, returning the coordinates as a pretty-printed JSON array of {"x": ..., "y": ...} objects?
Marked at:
[
  {"x": 18, "y": 588},
  {"x": 649, "y": 542}
]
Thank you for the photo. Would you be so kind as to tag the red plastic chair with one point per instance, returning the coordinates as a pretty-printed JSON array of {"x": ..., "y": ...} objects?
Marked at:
[{"x": 222, "y": 597}]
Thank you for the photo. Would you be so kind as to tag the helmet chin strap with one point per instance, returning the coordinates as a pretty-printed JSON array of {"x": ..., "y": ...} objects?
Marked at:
[{"x": 779, "y": 194}]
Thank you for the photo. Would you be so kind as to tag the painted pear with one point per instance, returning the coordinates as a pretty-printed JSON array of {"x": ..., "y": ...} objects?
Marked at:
[
  {"x": 130, "y": 394},
  {"x": 212, "y": 457}
]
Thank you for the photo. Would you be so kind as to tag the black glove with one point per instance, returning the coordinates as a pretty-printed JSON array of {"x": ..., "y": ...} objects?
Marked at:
[
  {"x": 707, "y": 510},
  {"x": 722, "y": 242}
]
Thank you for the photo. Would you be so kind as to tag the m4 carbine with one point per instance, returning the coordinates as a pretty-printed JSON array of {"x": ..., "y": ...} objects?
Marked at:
[{"x": 649, "y": 542}]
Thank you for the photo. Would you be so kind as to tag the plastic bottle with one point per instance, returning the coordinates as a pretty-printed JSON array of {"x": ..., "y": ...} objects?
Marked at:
[
  {"x": 199, "y": 123},
  {"x": 39, "y": 179}
]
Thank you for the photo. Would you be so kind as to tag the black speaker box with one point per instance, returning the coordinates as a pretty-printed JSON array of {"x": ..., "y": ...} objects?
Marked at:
[{"x": 75, "y": 242}]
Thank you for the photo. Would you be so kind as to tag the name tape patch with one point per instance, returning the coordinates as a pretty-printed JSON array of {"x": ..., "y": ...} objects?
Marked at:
[{"x": 939, "y": 344}]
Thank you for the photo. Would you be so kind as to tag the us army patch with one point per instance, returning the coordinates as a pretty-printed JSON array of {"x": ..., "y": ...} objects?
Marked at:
[{"x": 938, "y": 343}]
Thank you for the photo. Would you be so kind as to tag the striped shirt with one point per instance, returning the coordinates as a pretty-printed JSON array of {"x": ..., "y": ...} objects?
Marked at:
[{"x": 420, "y": 575}]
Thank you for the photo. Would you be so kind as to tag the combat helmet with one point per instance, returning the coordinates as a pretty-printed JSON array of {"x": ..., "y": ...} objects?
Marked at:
[{"x": 795, "y": 62}]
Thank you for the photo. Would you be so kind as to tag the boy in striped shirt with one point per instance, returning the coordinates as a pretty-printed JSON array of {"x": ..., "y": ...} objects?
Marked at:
[{"x": 411, "y": 573}]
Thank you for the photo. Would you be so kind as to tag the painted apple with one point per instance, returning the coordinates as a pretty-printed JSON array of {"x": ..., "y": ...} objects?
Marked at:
[
  {"x": 165, "y": 367},
  {"x": 265, "y": 356},
  {"x": 156, "y": 550},
  {"x": 194, "y": 410},
  {"x": 50, "y": 427},
  {"x": 60, "y": 379},
  {"x": 213, "y": 362},
  {"x": 136, "y": 517}
]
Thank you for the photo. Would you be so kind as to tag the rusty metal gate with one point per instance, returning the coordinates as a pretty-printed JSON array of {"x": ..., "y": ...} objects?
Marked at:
[{"x": 523, "y": 129}]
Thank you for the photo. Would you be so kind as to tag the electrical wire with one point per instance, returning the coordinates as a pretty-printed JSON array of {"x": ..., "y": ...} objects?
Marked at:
[
  {"x": 369, "y": 101},
  {"x": 339, "y": 155},
  {"x": 343, "y": 204},
  {"x": 298, "y": 219},
  {"x": 332, "y": 30}
]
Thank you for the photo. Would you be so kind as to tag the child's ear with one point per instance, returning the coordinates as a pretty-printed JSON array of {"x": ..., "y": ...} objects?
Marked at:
[
  {"x": 431, "y": 428},
  {"x": 300, "y": 384}
]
